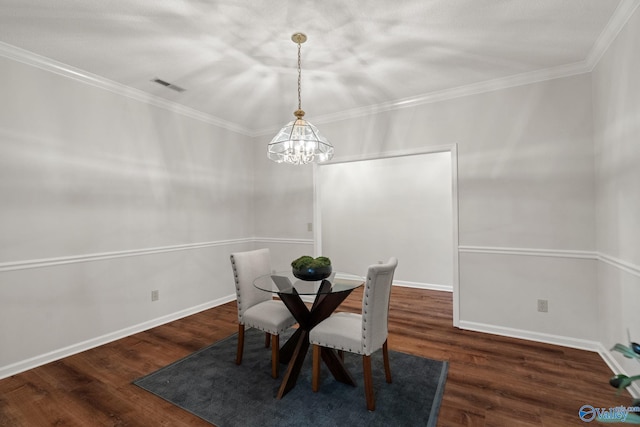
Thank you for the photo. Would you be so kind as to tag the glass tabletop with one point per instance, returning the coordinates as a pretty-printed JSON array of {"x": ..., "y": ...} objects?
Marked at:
[{"x": 285, "y": 282}]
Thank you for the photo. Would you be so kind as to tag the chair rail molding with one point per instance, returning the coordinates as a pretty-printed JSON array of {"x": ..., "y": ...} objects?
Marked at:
[
  {"x": 283, "y": 240},
  {"x": 620, "y": 264},
  {"x": 555, "y": 253},
  {"x": 73, "y": 259}
]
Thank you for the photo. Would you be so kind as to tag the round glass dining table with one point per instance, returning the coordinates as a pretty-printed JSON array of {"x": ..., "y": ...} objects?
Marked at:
[
  {"x": 286, "y": 282},
  {"x": 328, "y": 294}
]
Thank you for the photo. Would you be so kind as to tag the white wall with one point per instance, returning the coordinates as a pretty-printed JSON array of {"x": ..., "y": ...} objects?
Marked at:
[
  {"x": 528, "y": 177},
  {"x": 526, "y": 200},
  {"x": 400, "y": 206},
  {"x": 104, "y": 199},
  {"x": 283, "y": 200},
  {"x": 283, "y": 206},
  {"x": 616, "y": 116}
]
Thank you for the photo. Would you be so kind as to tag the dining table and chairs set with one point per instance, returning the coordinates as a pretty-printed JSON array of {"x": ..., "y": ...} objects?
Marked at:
[{"x": 330, "y": 334}]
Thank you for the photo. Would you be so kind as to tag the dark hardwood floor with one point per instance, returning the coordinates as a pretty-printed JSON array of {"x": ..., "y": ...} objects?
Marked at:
[{"x": 492, "y": 380}]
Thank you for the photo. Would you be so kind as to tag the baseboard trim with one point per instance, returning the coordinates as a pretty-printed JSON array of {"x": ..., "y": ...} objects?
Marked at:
[
  {"x": 563, "y": 341},
  {"x": 580, "y": 344},
  {"x": 428, "y": 286},
  {"x": 615, "y": 367},
  {"x": 42, "y": 359}
]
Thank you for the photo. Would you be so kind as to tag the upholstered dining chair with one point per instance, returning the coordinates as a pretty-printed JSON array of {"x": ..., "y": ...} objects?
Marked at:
[
  {"x": 256, "y": 308},
  {"x": 359, "y": 333}
]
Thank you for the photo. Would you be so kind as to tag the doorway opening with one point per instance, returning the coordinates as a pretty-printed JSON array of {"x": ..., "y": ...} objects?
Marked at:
[{"x": 402, "y": 204}]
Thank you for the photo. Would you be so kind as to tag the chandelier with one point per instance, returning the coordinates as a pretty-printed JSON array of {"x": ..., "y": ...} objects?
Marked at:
[{"x": 299, "y": 142}]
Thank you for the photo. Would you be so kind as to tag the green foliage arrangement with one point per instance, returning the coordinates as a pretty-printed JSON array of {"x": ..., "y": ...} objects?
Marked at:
[
  {"x": 621, "y": 381},
  {"x": 306, "y": 261}
]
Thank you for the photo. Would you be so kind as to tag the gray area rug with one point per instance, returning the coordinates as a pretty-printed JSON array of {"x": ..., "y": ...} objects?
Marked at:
[{"x": 210, "y": 385}]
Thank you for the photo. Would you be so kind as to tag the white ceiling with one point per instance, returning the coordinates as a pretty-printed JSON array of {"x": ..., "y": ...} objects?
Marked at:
[{"x": 237, "y": 62}]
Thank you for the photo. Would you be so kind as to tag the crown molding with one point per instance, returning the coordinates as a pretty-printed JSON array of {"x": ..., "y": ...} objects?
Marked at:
[
  {"x": 618, "y": 20},
  {"x": 65, "y": 70},
  {"x": 453, "y": 93},
  {"x": 461, "y": 91}
]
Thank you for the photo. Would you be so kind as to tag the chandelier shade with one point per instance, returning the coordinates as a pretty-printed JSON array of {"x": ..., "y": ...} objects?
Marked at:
[{"x": 299, "y": 142}]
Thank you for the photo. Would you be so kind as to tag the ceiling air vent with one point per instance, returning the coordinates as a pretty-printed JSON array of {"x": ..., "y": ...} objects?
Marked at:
[{"x": 169, "y": 85}]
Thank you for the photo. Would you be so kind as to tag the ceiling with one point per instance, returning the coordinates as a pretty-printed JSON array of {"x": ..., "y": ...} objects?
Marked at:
[{"x": 237, "y": 63}]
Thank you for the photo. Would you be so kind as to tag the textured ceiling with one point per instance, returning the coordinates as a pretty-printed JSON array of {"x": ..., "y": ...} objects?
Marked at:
[{"x": 237, "y": 62}]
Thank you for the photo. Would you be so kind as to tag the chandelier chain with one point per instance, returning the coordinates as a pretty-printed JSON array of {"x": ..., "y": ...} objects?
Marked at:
[{"x": 299, "y": 79}]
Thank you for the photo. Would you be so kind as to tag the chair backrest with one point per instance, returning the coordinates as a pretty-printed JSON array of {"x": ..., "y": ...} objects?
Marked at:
[
  {"x": 246, "y": 267},
  {"x": 375, "y": 305}
]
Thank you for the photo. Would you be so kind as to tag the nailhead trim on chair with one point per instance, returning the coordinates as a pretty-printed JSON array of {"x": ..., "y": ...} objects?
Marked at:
[
  {"x": 238, "y": 300},
  {"x": 364, "y": 312}
]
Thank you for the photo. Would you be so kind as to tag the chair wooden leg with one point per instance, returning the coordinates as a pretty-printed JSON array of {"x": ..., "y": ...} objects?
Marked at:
[
  {"x": 275, "y": 355},
  {"x": 368, "y": 383},
  {"x": 267, "y": 339},
  {"x": 385, "y": 357},
  {"x": 315, "y": 373},
  {"x": 240, "y": 344}
]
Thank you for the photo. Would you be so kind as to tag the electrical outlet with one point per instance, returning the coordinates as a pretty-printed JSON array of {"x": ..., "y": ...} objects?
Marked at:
[
  {"x": 543, "y": 305},
  {"x": 309, "y": 226},
  {"x": 155, "y": 295}
]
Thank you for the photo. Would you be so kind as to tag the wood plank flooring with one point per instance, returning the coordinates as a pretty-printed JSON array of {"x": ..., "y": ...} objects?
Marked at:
[{"x": 492, "y": 380}]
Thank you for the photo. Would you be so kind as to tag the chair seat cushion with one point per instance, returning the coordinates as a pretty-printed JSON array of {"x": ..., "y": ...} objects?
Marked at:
[
  {"x": 270, "y": 316},
  {"x": 341, "y": 331}
]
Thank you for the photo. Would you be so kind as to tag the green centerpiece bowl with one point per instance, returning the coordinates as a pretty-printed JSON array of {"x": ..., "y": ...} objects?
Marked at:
[{"x": 311, "y": 269}]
